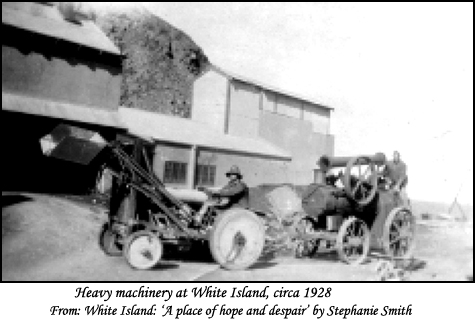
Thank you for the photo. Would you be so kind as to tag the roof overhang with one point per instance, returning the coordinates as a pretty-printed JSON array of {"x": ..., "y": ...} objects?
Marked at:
[
  {"x": 61, "y": 110},
  {"x": 184, "y": 131},
  {"x": 144, "y": 124},
  {"x": 46, "y": 20}
]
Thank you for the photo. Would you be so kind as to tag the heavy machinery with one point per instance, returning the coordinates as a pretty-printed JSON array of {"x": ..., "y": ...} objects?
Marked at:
[
  {"x": 351, "y": 212},
  {"x": 144, "y": 216}
]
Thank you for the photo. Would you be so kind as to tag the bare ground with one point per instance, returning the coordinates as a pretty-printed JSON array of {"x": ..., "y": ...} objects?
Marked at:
[{"x": 53, "y": 239}]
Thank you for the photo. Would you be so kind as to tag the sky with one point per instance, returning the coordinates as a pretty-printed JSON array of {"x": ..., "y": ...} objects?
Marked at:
[{"x": 400, "y": 75}]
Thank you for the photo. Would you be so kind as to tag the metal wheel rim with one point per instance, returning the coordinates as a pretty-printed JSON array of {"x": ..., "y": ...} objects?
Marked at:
[
  {"x": 144, "y": 251},
  {"x": 399, "y": 233},
  {"x": 353, "y": 241},
  {"x": 238, "y": 240}
]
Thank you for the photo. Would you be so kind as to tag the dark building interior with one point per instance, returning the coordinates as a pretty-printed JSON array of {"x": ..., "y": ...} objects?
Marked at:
[{"x": 27, "y": 169}]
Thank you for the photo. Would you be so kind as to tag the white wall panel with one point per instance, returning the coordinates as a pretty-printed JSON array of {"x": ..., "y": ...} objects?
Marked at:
[{"x": 209, "y": 100}]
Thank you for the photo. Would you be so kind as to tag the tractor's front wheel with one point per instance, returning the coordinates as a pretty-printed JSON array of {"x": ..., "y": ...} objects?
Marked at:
[
  {"x": 353, "y": 241},
  {"x": 143, "y": 249}
]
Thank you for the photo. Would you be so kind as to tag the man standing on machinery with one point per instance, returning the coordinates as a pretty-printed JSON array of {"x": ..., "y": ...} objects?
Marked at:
[
  {"x": 235, "y": 193},
  {"x": 396, "y": 172}
]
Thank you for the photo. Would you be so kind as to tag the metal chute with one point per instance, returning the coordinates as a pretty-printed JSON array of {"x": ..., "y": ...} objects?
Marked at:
[{"x": 71, "y": 143}]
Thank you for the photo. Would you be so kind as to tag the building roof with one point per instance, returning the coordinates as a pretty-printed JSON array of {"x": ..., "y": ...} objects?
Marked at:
[
  {"x": 271, "y": 88},
  {"x": 144, "y": 124},
  {"x": 47, "y": 20}
]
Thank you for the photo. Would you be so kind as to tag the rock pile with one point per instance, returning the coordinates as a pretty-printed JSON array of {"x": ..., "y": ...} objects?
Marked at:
[{"x": 160, "y": 62}]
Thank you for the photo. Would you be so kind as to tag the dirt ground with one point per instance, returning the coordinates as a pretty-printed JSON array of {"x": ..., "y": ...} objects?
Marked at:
[{"x": 53, "y": 239}]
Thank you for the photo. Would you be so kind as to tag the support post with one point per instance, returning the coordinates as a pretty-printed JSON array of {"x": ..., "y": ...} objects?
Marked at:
[{"x": 192, "y": 167}]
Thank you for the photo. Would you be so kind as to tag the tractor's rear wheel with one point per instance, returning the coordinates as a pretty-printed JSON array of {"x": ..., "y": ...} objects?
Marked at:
[
  {"x": 143, "y": 249},
  {"x": 237, "y": 239},
  {"x": 399, "y": 233}
]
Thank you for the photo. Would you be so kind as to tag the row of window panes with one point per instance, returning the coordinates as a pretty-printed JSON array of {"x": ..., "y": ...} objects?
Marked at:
[{"x": 176, "y": 172}]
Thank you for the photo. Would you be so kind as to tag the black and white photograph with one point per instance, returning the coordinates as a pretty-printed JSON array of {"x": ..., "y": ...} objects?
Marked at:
[{"x": 237, "y": 142}]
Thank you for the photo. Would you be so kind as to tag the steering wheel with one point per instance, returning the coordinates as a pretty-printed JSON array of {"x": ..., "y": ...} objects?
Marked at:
[{"x": 361, "y": 184}]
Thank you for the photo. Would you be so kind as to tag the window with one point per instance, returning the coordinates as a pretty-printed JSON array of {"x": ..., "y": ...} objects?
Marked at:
[
  {"x": 175, "y": 172},
  {"x": 205, "y": 175}
]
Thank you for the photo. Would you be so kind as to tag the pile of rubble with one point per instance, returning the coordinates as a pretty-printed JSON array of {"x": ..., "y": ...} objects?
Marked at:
[{"x": 160, "y": 62}]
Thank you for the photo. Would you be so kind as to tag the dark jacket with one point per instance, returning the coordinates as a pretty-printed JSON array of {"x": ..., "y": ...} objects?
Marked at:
[{"x": 237, "y": 192}]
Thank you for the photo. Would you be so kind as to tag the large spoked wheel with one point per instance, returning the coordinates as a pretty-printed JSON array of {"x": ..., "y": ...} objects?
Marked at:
[
  {"x": 108, "y": 241},
  {"x": 399, "y": 233},
  {"x": 237, "y": 239},
  {"x": 361, "y": 184},
  {"x": 143, "y": 249},
  {"x": 353, "y": 241}
]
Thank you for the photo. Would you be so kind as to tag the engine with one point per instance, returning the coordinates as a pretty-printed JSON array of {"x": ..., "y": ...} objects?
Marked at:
[{"x": 321, "y": 200}]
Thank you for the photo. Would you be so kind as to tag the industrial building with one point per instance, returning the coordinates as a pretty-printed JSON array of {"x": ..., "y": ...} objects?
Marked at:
[
  {"x": 55, "y": 70},
  {"x": 278, "y": 135}
]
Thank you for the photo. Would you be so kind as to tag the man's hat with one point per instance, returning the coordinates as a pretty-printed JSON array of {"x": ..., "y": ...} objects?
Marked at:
[{"x": 234, "y": 170}]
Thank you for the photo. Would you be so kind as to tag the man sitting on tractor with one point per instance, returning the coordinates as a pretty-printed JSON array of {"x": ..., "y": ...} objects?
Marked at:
[{"x": 234, "y": 194}]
